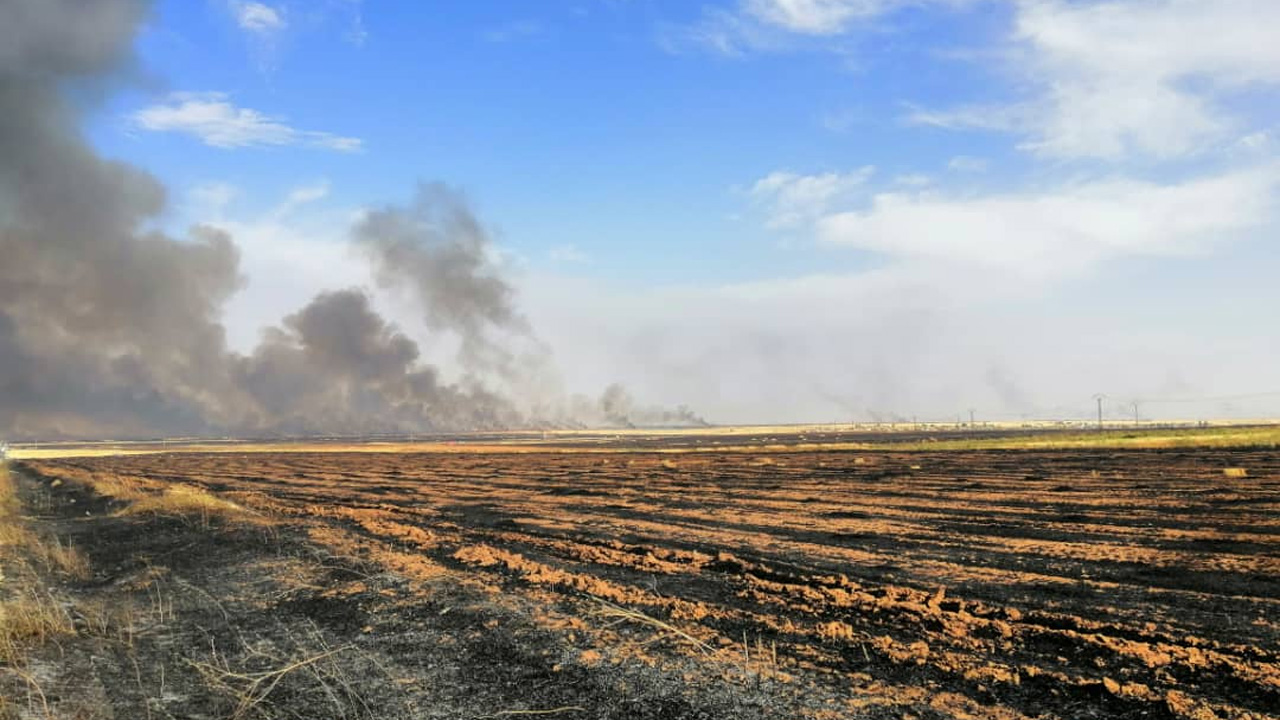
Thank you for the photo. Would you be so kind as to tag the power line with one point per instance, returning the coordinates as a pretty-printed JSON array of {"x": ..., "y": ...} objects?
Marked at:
[{"x": 1212, "y": 398}]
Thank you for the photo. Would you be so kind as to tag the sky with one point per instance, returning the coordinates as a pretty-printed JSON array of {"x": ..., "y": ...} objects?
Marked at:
[{"x": 768, "y": 210}]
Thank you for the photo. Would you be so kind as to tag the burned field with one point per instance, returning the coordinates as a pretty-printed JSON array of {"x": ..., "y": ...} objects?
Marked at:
[{"x": 1004, "y": 584}]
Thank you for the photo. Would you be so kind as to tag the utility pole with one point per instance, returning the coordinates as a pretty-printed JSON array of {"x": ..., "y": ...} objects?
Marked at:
[
  {"x": 1099, "y": 397},
  {"x": 1135, "y": 412},
  {"x": 970, "y": 417}
]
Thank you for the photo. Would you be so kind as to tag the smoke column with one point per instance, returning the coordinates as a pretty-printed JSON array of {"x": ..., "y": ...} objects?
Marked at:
[
  {"x": 108, "y": 329},
  {"x": 103, "y": 327},
  {"x": 437, "y": 250}
]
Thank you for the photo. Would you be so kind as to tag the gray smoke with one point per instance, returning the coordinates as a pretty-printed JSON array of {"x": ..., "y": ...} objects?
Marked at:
[
  {"x": 337, "y": 367},
  {"x": 618, "y": 408},
  {"x": 436, "y": 249},
  {"x": 109, "y": 329},
  {"x": 101, "y": 322}
]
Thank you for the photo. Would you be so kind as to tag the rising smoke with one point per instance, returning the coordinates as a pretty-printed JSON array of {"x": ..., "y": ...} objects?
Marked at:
[
  {"x": 109, "y": 329},
  {"x": 103, "y": 326},
  {"x": 437, "y": 250},
  {"x": 618, "y": 408},
  {"x": 337, "y": 367}
]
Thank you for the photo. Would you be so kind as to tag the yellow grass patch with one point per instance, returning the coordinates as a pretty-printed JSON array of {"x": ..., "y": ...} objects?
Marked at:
[
  {"x": 28, "y": 621},
  {"x": 183, "y": 500},
  {"x": 64, "y": 559},
  {"x": 147, "y": 496}
]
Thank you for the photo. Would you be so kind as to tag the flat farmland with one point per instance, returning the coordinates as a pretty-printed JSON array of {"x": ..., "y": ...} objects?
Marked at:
[{"x": 986, "y": 583}]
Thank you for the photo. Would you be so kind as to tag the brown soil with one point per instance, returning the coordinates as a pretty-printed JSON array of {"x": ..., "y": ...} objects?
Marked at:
[{"x": 991, "y": 584}]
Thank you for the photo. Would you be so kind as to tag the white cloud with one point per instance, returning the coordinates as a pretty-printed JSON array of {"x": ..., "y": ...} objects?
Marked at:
[
  {"x": 791, "y": 200},
  {"x": 1059, "y": 231},
  {"x": 749, "y": 25},
  {"x": 299, "y": 197},
  {"x": 975, "y": 117},
  {"x": 308, "y": 193},
  {"x": 767, "y": 24},
  {"x": 213, "y": 119},
  {"x": 816, "y": 17},
  {"x": 720, "y": 31},
  {"x": 1129, "y": 77},
  {"x": 256, "y": 17}
]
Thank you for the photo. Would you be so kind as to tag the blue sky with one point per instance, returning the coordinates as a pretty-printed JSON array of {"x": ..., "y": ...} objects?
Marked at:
[
  {"x": 595, "y": 125},
  {"x": 768, "y": 209}
]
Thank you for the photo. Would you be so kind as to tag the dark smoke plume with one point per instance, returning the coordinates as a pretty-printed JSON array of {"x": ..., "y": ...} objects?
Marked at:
[
  {"x": 108, "y": 329},
  {"x": 435, "y": 248},
  {"x": 102, "y": 325},
  {"x": 337, "y": 367}
]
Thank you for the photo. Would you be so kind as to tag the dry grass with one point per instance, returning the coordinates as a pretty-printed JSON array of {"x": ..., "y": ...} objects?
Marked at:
[
  {"x": 1235, "y": 472},
  {"x": 30, "y": 620},
  {"x": 12, "y": 534},
  {"x": 146, "y": 496},
  {"x": 9, "y": 505},
  {"x": 49, "y": 553},
  {"x": 62, "y": 559},
  {"x": 109, "y": 619},
  {"x": 29, "y": 615},
  {"x": 618, "y": 615},
  {"x": 183, "y": 500},
  {"x": 250, "y": 691}
]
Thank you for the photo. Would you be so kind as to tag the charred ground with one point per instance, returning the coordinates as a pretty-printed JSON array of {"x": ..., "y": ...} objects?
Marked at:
[{"x": 993, "y": 583}]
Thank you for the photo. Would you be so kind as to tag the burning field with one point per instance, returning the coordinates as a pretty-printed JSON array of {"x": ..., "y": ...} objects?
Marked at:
[{"x": 955, "y": 584}]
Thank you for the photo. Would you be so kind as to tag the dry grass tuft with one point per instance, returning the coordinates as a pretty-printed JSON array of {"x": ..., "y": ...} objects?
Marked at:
[
  {"x": 14, "y": 535},
  {"x": 29, "y": 615},
  {"x": 183, "y": 500},
  {"x": 619, "y": 614},
  {"x": 250, "y": 692},
  {"x": 62, "y": 559},
  {"x": 28, "y": 621},
  {"x": 145, "y": 496},
  {"x": 9, "y": 504},
  {"x": 109, "y": 619},
  {"x": 48, "y": 553},
  {"x": 1235, "y": 472}
]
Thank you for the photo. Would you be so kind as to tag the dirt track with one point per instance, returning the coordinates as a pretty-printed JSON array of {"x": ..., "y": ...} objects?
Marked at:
[{"x": 981, "y": 584}]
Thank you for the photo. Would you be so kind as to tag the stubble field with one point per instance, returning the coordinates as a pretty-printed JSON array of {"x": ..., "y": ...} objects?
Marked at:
[{"x": 990, "y": 583}]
